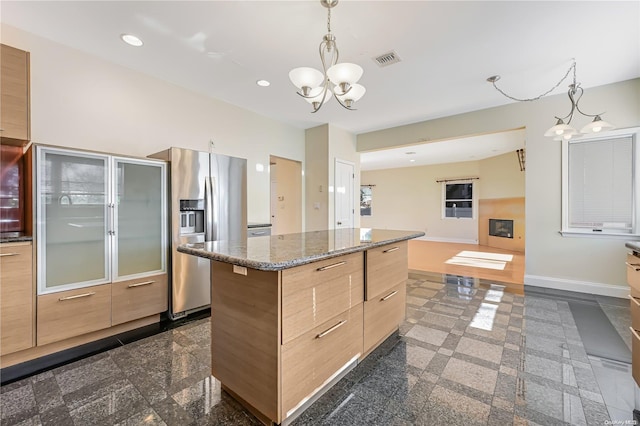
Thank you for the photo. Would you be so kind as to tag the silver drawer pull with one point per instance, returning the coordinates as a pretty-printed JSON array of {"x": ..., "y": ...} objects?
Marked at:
[
  {"x": 635, "y": 300},
  {"x": 332, "y": 329},
  {"x": 259, "y": 233},
  {"x": 9, "y": 254},
  {"x": 391, "y": 249},
  {"x": 635, "y": 266},
  {"x": 140, "y": 284},
  {"x": 389, "y": 296},
  {"x": 77, "y": 296},
  {"x": 335, "y": 265},
  {"x": 635, "y": 333}
]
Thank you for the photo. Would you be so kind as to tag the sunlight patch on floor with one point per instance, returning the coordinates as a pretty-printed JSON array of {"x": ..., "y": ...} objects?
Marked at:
[
  {"x": 485, "y": 255},
  {"x": 477, "y": 263}
]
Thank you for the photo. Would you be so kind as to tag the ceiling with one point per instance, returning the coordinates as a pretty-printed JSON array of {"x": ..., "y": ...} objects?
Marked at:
[{"x": 447, "y": 49}]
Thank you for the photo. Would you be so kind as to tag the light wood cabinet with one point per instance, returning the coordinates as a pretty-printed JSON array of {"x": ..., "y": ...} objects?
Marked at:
[
  {"x": 635, "y": 355},
  {"x": 14, "y": 96},
  {"x": 72, "y": 313},
  {"x": 387, "y": 266},
  {"x": 383, "y": 315},
  {"x": 16, "y": 297},
  {"x": 633, "y": 279},
  {"x": 312, "y": 358},
  {"x": 138, "y": 298},
  {"x": 633, "y": 274},
  {"x": 316, "y": 292}
]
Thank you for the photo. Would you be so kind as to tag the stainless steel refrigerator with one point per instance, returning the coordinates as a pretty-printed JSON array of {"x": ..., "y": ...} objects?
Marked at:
[{"x": 208, "y": 202}]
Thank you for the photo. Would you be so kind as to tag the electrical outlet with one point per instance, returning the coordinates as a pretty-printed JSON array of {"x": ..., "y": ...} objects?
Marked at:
[{"x": 212, "y": 145}]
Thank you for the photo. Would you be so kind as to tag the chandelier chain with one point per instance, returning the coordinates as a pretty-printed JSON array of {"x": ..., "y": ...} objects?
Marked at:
[
  {"x": 575, "y": 85},
  {"x": 329, "y": 20}
]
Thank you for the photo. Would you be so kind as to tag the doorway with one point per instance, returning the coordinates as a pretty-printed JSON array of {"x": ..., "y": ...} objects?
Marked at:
[
  {"x": 343, "y": 193},
  {"x": 286, "y": 195}
]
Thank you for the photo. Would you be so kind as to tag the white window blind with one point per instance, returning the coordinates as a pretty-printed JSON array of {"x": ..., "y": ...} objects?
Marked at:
[{"x": 600, "y": 185}]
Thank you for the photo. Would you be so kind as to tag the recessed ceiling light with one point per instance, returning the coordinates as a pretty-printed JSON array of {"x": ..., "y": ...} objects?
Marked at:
[
  {"x": 131, "y": 40},
  {"x": 412, "y": 161},
  {"x": 263, "y": 83}
]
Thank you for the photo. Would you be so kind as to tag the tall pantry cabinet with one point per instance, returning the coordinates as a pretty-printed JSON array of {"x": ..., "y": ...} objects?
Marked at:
[{"x": 101, "y": 241}]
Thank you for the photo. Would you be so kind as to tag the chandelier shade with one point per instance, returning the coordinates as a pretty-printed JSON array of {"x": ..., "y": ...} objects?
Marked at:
[
  {"x": 562, "y": 129},
  {"x": 336, "y": 79}
]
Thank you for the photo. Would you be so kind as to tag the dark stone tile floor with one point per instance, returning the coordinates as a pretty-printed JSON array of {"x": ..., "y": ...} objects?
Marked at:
[{"x": 470, "y": 354}]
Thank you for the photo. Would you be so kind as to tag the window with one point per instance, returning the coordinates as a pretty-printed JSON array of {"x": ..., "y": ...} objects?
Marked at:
[
  {"x": 458, "y": 199},
  {"x": 599, "y": 185},
  {"x": 365, "y": 200}
]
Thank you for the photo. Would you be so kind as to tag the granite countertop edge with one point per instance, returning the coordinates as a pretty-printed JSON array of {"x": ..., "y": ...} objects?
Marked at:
[{"x": 279, "y": 266}]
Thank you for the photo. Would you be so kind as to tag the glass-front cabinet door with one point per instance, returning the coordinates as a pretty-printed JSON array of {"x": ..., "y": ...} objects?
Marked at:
[
  {"x": 140, "y": 218},
  {"x": 72, "y": 219}
]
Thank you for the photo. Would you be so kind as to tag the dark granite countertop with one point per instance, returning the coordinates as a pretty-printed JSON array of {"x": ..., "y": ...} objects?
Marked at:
[
  {"x": 14, "y": 237},
  {"x": 279, "y": 252}
]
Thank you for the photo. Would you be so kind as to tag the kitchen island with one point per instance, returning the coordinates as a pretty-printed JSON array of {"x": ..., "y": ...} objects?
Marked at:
[{"x": 292, "y": 314}]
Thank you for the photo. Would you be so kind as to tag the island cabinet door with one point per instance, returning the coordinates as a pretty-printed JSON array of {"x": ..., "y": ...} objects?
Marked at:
[
  {"x": 633, "y": 274},
  {"x": 310, "y": 360},
  {"x": 387, "y": 266},
  {"x": 314, "y": 293},
  {"x": 382, "y": 315}
]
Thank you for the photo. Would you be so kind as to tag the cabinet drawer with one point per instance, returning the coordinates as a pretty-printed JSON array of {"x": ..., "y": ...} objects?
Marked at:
[
  {"x": 387, "y": 266},
  {"x": 16, "y": 297},
  {"x": 635, "y": 313},
  {"x": 633, "y": 274},
  {"x": 139, "y": 298},
  {"x": 72, "y": 313},
  {"x": 635, "y": 355},
  {"x": 383, "y": 315},
  {"x": 311, "y": 359},
  {"x": 315, "y": 293}
]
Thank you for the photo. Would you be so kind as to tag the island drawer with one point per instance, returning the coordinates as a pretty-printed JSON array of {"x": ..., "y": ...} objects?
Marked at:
[
  {"x": 311, "y": 359},
  {"x": 383, "y": 315},
  {"x": 386, "y": 267},
  {"x": 138, "y": 298},
  {"x": 635, "y": 312},
  {"x": 635, "y": 355},
  {"x": 72, "y": 313},
  {"x": 633, "y": 274},
  {"x": 315, "y": 293}
]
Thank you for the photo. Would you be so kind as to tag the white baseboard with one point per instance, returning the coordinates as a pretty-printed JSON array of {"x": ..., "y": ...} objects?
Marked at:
[
  {"x": 447, "y": 240},
  {"x": 601, "y": 289}
]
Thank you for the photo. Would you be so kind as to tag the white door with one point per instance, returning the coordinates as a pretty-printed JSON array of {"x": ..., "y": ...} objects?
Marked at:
[{"x": 343, "y": 191}]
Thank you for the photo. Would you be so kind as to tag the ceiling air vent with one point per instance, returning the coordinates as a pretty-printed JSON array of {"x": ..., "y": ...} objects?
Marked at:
[{"x": 387, "y": 59}]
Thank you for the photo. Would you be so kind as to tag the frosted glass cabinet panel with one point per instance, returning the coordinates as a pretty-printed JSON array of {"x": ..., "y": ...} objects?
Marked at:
[
  {"x": 140, "y": 217},
  {"x": 99, "y": 218},
  {"x": 73, "y": 189}
]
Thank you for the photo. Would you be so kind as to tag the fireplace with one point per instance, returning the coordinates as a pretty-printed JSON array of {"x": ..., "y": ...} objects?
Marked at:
[{"x": 501, "y": 228}]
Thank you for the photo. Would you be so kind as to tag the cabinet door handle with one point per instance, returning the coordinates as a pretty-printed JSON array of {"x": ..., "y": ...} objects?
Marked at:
[
  {"x": 77, "y": 296},
  {"x": 635, "y": 333},
  {"x": 634, "y": 300},
  {"x": 335, "y": 265},
  {"x": 140, "y": 284},
  {"x": 259, "y": 232},
  {"x": 332, "y": 329},
  {"x": 391, "y": 249},
  {"x": 635, "y": 266},
  {"x": 9, "y": 254},
  {"x": 389, "y": 296}
]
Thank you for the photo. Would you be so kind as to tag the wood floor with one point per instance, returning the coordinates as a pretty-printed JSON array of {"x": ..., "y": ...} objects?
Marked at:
[{"x": 431, "y": 256}]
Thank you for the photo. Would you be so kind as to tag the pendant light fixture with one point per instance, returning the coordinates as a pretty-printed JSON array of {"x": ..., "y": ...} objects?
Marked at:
[
  {"x": 339, "y": 80},
  {"x": 562, "y": 129}
]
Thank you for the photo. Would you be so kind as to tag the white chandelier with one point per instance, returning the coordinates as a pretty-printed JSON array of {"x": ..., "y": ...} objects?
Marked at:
[
  {"x": 562, "y": 129},
  {"x": 337, "y": 80}
]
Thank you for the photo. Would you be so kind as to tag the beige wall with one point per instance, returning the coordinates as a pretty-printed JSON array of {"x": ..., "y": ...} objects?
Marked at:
[
  {"x": 501, "y": 177},
  {"x": 410, "y": 198},
  {"x": 81, "y": 101},
  {"x": 589, "y": 264},
  {"x": 324, "y": 144}
]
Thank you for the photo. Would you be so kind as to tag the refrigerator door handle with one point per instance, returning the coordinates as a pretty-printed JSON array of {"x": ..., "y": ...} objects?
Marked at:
[{"x": 208, "y": 205}]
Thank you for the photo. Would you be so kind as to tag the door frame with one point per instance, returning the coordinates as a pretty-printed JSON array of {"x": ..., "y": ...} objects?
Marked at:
[{"x": 352, "y": 189}]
